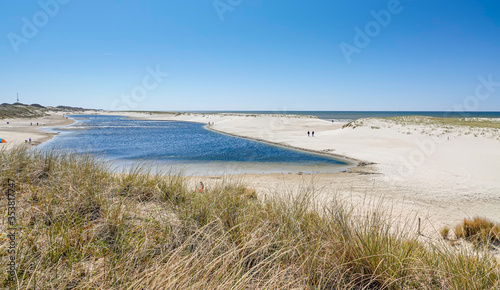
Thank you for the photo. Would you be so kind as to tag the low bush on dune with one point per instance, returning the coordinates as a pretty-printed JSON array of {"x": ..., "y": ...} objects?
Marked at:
[{"x": 83, "y": 227}]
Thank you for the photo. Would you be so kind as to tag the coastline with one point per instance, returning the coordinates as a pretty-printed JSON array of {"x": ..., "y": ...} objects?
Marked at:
[{"x": 451, "y": 183}]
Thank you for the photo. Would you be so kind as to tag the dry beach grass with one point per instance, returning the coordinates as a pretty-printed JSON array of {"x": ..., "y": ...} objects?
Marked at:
[{"x": 83, "y": 227}]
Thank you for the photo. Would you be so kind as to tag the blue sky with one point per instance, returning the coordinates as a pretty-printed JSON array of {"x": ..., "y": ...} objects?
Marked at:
[{"x": 251, "y": 54}]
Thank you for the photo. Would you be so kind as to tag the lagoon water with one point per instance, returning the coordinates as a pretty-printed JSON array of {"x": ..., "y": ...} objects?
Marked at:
[{"x": 182, "y": 146}]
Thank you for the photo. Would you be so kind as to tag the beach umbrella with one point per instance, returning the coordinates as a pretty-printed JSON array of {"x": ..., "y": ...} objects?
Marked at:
[{"x": 3, "y": 140}]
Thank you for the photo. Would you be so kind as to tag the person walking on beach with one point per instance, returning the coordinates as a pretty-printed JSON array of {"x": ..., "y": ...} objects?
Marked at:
[
  {"x": 313, "y": 133},
  {"x": 308, "y": 133}
]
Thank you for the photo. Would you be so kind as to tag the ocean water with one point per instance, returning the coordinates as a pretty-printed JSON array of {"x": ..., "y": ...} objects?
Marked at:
[
  {"x": 182, "y": 146},
  {"x": 354, "y": 115}
]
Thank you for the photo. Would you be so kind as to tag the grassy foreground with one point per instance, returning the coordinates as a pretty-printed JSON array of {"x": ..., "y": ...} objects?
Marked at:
[{"x": 82, "y": 227}]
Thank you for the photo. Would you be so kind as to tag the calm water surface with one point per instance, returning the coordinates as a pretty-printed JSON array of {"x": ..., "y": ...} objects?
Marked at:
[{"x": 182, "y": 145}]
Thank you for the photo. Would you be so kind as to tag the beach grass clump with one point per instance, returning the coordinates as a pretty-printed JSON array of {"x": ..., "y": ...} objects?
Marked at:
[
  {"x": 140, "y": 183},
  {"x": 461, "y": 269},
  {"x": 445, "y": 232},
  {"x": 80, "y": 226},
  {"x": 479, "y": 230}
]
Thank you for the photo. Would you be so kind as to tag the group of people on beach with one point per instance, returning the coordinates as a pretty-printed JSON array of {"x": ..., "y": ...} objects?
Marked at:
[
  {"x": 27, "y": 140},
  {"x": 310, "y": 134}
]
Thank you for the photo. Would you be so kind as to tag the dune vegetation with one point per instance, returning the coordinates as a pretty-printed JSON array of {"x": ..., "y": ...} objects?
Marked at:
[
  {"x": 447, "y": 122},
  {"x": 19, "y": 110},
  {"x": 80, "y": 226},
  {"x": 479, "y": 230}
]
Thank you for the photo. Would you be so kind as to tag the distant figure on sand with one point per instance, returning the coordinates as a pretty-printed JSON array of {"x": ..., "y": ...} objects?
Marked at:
[
  {"x": 313, "y": 133},
  {"x": 308, "y": 133}
]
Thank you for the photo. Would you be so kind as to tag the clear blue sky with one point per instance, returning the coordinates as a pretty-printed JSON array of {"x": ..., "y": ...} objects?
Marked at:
[{"x": 263, "y": 55}]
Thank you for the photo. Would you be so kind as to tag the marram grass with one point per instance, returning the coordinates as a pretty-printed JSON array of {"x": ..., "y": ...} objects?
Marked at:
[
  {"x": 479, "y": 230},
  {"x": 83, "y": 227}
]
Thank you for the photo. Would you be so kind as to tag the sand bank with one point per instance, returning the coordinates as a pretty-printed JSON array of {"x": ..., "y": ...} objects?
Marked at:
[{"x": 17, "y": 131}]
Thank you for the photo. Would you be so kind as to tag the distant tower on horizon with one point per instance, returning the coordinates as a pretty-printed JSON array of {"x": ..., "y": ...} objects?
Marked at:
[{"x": 18, "y": 97}]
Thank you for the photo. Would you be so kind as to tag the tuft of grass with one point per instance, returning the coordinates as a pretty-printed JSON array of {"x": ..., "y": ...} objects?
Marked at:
[
  {"x": 445, "y": 232},
  {"x": 83, "y": 227},
  {"x": 479, "y": 230}
]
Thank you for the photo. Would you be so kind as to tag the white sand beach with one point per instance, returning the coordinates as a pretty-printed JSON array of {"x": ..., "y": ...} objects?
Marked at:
[{"x": 17, "y": 131}]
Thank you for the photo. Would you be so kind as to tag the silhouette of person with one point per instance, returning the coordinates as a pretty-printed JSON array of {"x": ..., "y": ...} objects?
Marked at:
[
  {"x": 308, "y": 133},
  {"x": 313, "y": 133}
]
